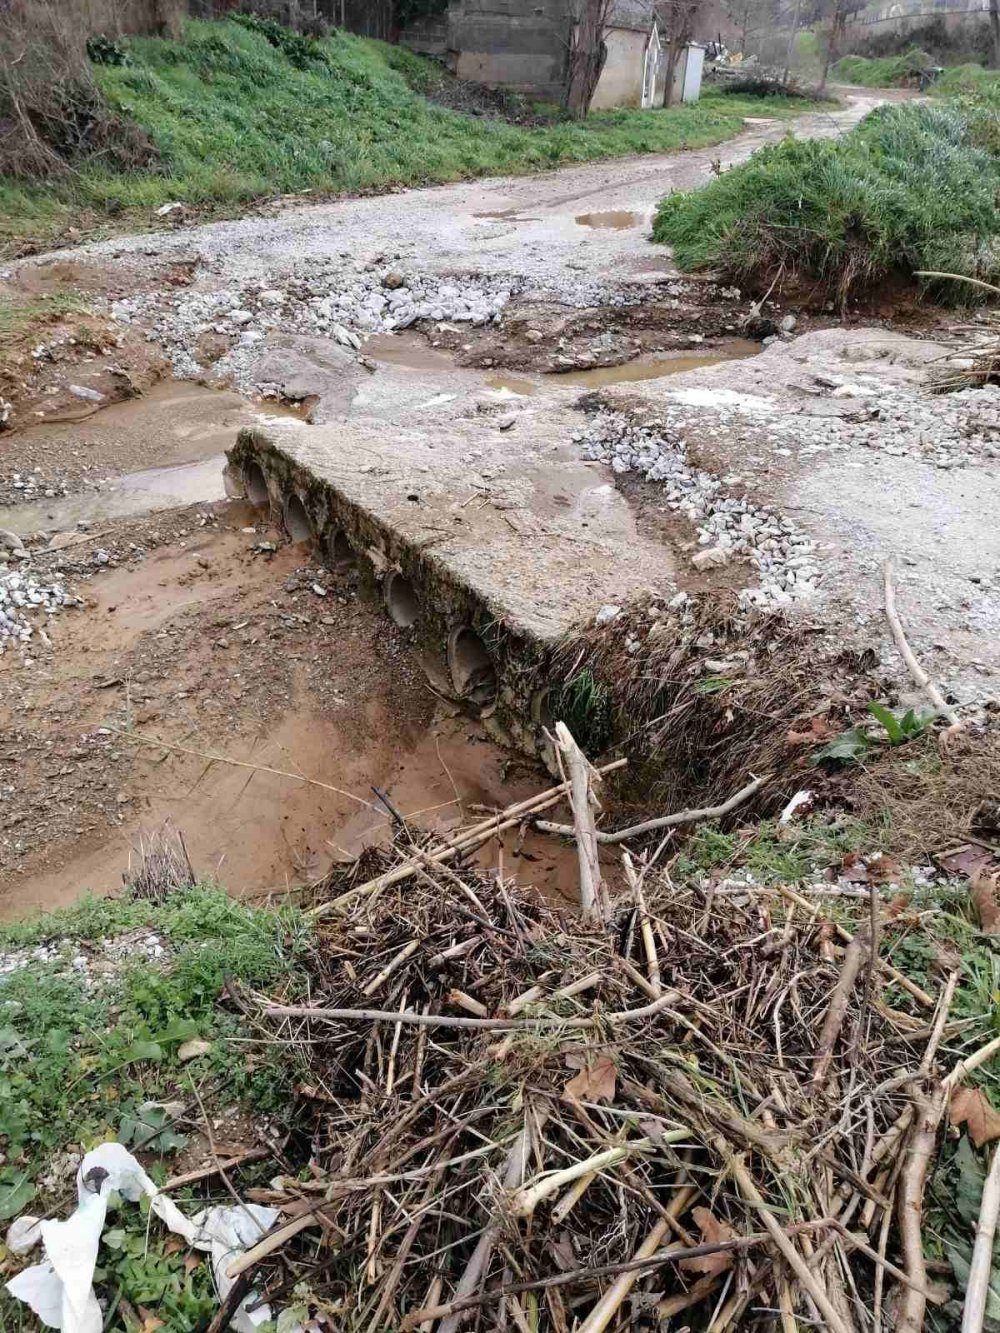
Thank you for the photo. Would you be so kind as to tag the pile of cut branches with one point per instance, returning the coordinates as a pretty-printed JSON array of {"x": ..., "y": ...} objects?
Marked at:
[{"x": 712, "y": 1099}]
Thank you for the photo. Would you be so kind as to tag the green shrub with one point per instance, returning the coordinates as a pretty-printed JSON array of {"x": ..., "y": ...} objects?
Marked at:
[
  {"x": 883, "y": 71},
  {"x": 912, "y": 187}
]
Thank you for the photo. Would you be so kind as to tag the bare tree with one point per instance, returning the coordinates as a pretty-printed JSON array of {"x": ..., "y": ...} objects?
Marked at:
[
  {"x": 588, "y": 53},
  {"x": 995, "y": 32},
  {"x": 678, "y": 19}
]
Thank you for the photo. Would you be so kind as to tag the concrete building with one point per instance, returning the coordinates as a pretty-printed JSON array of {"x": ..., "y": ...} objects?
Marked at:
[{"x": 525, "y": 45}]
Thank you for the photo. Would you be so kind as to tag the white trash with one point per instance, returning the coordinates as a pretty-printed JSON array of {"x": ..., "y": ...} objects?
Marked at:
[{"x": 60, "y": 1289}]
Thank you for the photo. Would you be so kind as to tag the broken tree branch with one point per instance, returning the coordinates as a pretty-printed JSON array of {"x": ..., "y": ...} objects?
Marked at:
[
  {"x": 920, "y": 676},
  {"x": 854, "y": 957},
  {"x": 978, "y": 1286},
  {"x": 592, "y": 905},
  {"x": 913, "y": 1302},
  {"x": 487, "y": 1024},
  {"x": 667, "y": 821}
]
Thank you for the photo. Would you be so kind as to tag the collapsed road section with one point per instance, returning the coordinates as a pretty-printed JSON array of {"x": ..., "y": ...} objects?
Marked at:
[{"x": 486, "y": 583}]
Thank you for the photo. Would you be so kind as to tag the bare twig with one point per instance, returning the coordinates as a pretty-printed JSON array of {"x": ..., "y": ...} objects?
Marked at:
[
  {"x": 978, "y": 1286},
  {"x": 920, "y": 676},
  {"x": 592, "y": 904},
  {"x": 667, "y": 821}
]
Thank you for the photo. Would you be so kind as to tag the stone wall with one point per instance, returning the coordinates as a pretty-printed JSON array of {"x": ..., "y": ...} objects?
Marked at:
[{"x": 511, "y": 43}]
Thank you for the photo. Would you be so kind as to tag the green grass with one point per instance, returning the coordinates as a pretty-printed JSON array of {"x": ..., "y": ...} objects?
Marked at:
[
  {"x": 882, "y": 71},
  {"x": 903, "y": 70},
  {"x": 18, "y": 318},
  {"x": 233, "y": 119},
  {"x": 77, "y": 1063},
  {"x": 914, "y": 186}
]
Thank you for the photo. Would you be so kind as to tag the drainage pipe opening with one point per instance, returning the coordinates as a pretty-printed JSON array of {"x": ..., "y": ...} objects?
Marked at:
[
  {"x": 472, "y": 671},
  {"x": 255, "y": 484},
  {"x": 341, "y": 553},
  {"x": 297, "y": 523},
  {"x": 401, "y": 601}
]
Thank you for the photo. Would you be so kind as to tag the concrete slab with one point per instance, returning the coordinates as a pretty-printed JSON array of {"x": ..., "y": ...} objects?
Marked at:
[{"x": 497, "y": 506}]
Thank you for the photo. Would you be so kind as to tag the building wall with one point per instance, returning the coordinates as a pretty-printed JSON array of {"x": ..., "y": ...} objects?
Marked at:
[
  {"x": 621, "y": 78},
  {"x": 511, "y": 43}
]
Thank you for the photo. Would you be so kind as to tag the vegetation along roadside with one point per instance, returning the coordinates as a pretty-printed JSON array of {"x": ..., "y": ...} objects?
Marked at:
[
  {"x": 227, "y": 117},
  {"x": 913, "y": 187}
]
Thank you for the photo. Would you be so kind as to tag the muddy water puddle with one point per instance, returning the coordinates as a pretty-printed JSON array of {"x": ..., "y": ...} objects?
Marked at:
[
  {"x": 123, "y": 497},
  {"x": 228, "y": 655},
  {"x": 629, "y": 372},
  {"x": 159, "y": 451},
  {"x": 613, "y": 220}
]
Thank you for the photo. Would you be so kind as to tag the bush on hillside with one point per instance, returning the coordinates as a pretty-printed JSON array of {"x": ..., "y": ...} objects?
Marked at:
[
  {"x": 52, "y": 113},
  {"x": 301, "y": 51},
  {"x": 897, "y": 71},
  {"x": 912, "y": 187}
]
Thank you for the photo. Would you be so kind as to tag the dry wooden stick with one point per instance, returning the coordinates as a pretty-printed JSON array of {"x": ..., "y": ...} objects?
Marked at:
[
  {"x": 486, "y": 1024},
  {"x": 461, "y": 842},
  {"x": 611, "y": 1302},
  {"x": 667, "y": 821},
  {"x": 645, "y": 926},
  {"x": 919, "y": 675},
  {"x": 844, "y": 934},
  {"x": 390, "y": 967},
  {"x": 670, "y": 1255},
  {"x": 592, "y": 898},
  {"x": 978, "y": 1286},
  {"x": 735, "y": 1167},
  {"x": 912, "y": 1178},
  {"x": 854, "y": 957},
  {"x": 479, "y": 1260},
  {"x": 216, "y": 1168}
]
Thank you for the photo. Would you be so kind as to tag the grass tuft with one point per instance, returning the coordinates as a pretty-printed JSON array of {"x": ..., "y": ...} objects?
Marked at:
[{"x": 912, "y": 187}]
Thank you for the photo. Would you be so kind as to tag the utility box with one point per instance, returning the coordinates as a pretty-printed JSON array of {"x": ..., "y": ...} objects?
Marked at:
[{"x": 687, "y": 74}]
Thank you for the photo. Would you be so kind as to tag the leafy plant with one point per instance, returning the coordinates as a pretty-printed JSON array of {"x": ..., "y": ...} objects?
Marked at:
[
  {"x": 106, "y": 51},
  {"x": 854, "y": 745},
  {"x": 150, "y": 1127},
  {"x": 901, "y": 729},
  {"x": 850, "y": 747}
]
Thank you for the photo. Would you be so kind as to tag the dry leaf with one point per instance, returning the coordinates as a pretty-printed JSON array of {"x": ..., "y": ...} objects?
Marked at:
[
  {"x": 965, "y": 860},
  {"x": 984, "y": 895},
  {"x": 150, "y": 1321},
  {"x": 595, "y": 1083},
  {"x": 898, "y": 904},
  {"x": 712, "y": 1231},
  {"x": 191, "y": 1263},
  {"x": 853, "y": 869},
  {"x": 818, "y": 729},
  {"x": 884, "y": 869},
  {"x": 971, "y": 1107}
]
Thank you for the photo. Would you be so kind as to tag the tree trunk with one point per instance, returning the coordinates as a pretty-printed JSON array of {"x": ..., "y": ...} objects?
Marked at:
[
  {"x": 791, "y": 40},
  {"x": 995, "y": 32},
  {"x": 836, "y": 36},
  {"x": 587, "y": 57}
]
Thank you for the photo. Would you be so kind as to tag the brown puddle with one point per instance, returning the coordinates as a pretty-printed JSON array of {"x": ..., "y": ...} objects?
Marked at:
[
  {"x": 203, "y": 644},
  {"x": 643, "y": 368},
  {"x": 407, "y": 351},
  {"x": 523, "y": 388},
  {"x": 183, "y": 426},
  {"x": 612, "y": 221}
]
